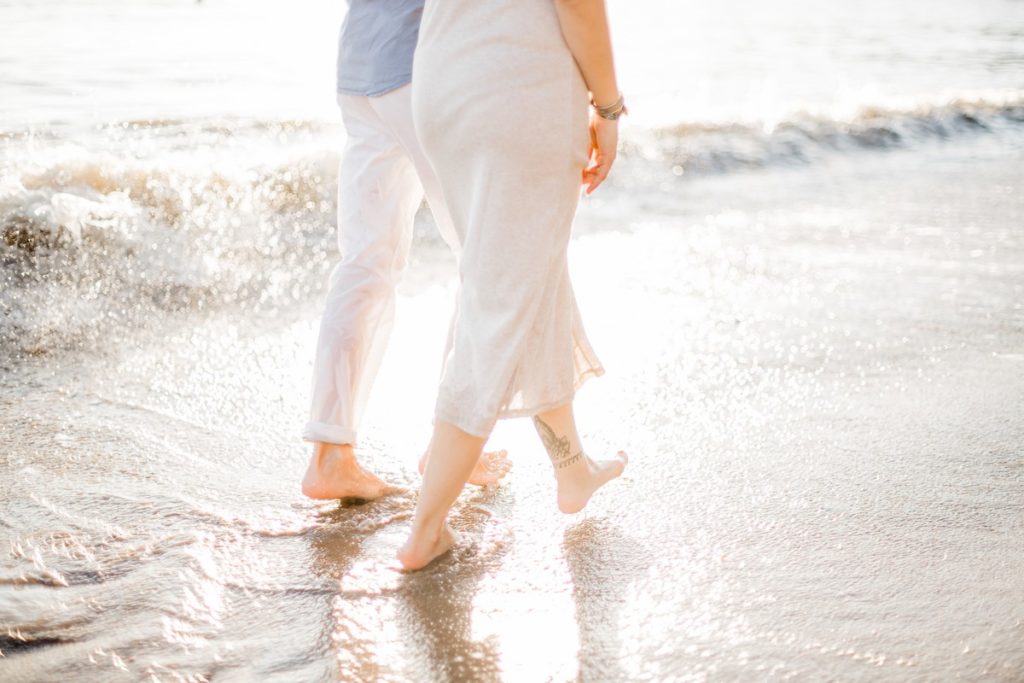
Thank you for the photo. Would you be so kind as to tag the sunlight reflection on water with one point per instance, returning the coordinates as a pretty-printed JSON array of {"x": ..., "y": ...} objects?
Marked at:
[
  {"x": 815, "y": 367},
  {"x": 735, "y": 60}
]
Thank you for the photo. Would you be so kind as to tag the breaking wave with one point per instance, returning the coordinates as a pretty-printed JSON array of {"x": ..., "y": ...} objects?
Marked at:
[
  {"x": 100, "y": 230},
  {"x": 722, "y": 147}
]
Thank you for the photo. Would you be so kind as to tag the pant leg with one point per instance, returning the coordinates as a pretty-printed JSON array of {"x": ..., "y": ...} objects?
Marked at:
[
  {"x": 378, "y": 194},
  {"x": 395, "y": 109}
]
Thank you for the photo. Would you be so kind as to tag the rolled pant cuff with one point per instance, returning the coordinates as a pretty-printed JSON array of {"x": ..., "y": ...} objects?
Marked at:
[{"x": 327, "y": 433}]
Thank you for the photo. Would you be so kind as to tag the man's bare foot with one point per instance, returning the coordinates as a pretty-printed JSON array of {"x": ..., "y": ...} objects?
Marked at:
[
  {"x": 334, "y": 472},
  {"x": 423, "y": 547},
  {"x": 491, "y": 467},
  {"x": 578, "y": 482}
]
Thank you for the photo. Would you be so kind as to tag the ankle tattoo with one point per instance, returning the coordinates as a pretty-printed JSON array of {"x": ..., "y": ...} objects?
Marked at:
[{"x": 558, "y": 447}]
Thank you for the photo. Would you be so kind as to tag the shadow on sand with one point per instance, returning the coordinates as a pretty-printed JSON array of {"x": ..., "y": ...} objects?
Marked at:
[
  {"x": 437, "y": 603},
  {"x": 351, "y": 630},
  {"x": 603, "y": 562},
  {"x": 404, "y": 625}
]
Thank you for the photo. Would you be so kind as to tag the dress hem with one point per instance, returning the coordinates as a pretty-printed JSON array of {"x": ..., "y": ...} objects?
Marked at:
[{"x": 473, "y": 425}]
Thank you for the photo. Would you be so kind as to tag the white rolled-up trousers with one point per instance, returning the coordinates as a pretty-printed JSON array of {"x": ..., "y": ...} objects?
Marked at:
[{"x": 381, "y": 183}]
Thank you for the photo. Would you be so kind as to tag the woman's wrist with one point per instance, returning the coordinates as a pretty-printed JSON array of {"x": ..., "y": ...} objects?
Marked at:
[
  {"x": 605, "y": 95},
  {"x": 611, "y": 111}
]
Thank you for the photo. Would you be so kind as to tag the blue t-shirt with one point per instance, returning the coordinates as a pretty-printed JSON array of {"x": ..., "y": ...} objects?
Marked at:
[{"x": 378, "y": 40}]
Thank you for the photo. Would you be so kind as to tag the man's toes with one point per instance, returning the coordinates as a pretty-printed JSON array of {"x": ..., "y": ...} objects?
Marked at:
[
  {"x": 499, "y": 467},
  {"x": 500, "y": 471},
  {"x": 390, "y": 490}
]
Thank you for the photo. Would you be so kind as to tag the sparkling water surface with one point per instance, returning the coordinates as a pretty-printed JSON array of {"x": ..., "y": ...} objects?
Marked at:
[
  {"x": 805, "y": 279},
  {"x": 97, "y": 61}
]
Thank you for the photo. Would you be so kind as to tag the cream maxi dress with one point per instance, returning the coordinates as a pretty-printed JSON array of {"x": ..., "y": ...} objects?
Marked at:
[{"x": 500, "y": 107}]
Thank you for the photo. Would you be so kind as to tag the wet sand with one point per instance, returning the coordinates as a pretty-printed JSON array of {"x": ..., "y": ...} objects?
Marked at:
[{"x": 818, "y": 373}]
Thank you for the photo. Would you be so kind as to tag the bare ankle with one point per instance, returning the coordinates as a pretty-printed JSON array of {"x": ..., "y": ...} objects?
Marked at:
[
  {"x": 563, "y": 447},
  {"x": 338, "y": 448},
  {"x": 342, "y": 453},
  {"x": 428, "y": 530}
]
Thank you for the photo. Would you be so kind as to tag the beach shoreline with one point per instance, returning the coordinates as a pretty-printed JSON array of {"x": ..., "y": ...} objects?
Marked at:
[
  {"x": 804, "y": 278},
  {"x": 825, "y": 390}
]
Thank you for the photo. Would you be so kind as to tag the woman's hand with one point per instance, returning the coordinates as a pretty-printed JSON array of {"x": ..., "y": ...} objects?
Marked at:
[
  {"x": 584, "y": 26},
  {"x": 604, "y": 141}
]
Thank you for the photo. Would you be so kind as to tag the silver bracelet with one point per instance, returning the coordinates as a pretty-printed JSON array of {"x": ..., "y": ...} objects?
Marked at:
[{"x": 613, "y": 111}]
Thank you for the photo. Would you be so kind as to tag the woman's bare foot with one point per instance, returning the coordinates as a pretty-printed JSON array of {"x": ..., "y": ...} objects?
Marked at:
[
  {"x": 491, "y": 467},
  {"x": 334, "y": 472},
  {"x": 423, "y": 547},
  {"x": 578, "y": 482}
]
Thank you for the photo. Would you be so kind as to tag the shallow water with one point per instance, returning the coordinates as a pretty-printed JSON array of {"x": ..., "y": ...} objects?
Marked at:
[
  {"x": 169, "y": 155},
  {"x": 86, "y": 62},
  {"x": 824, "y": 403},
  {"x": 806, "y": 284}
]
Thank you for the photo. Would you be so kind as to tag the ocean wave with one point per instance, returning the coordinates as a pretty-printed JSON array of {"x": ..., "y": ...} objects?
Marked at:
[
  {"x": 90, "y": 242},
  {"x": 74, "y": 198},
  {"x": 151, "y": 216},
  {"x": 717, "y": 147}
]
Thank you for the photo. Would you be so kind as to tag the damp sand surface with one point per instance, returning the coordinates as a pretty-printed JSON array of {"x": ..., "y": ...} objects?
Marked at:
[{"x": 818, "y": 372}]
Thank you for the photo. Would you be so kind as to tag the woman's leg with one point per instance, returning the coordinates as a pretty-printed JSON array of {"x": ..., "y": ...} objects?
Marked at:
[
  {"x": 489, "y": 468},
  {"x": 395, "y": 110},
  {"x": 578, "y": 476},
  {"x": 454, "y": 453}
]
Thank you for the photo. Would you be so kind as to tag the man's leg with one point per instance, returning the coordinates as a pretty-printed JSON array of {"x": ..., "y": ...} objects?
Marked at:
[
  {"x": 395, "y": 109},
  {"x": 378, "y": 194}
]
